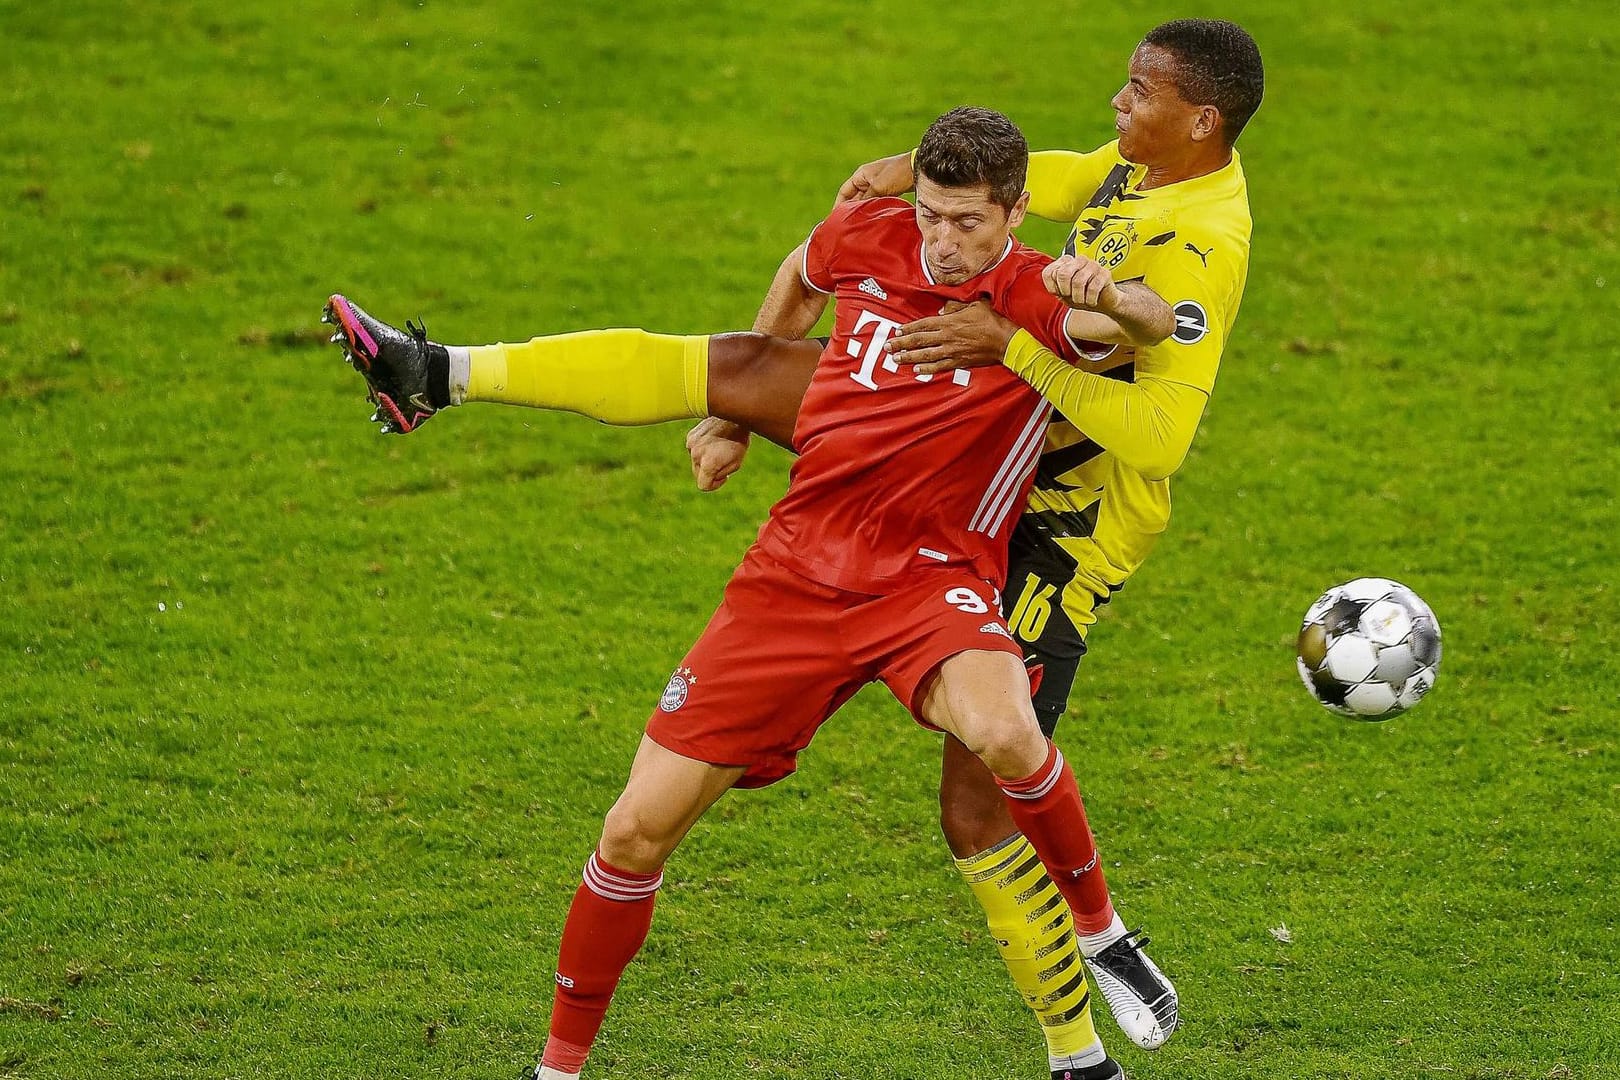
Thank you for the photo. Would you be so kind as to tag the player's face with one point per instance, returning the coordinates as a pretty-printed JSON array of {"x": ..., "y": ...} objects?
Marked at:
[
  {"x": 964, "y": 230},
  {"x": 1155, "y": 123}
]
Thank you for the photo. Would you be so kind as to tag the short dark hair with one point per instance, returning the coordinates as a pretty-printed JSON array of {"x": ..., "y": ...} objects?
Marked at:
[
  {"x": 1217, "y": 63},
  {"x": 969, "y": 146}
]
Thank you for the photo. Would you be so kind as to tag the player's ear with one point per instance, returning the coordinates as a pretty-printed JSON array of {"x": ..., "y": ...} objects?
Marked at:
[
  {"x": 1015, "y": 216},
  {"x": 1206, "y": 123}
]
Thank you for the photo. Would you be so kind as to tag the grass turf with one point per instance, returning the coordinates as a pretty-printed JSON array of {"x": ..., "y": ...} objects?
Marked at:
[{"x": 306, "y": 734}]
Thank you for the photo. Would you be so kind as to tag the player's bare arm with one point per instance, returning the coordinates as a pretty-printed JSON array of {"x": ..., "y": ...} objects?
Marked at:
[
  {"x": 975, "y": 335},
  {"x": 791, "y": 307},
  {"x": 876, "y": 179},
  {"x": 1135, "y": 314},
  {"x": 717, "y": 446},
  {"x": 962, "y": 335}
]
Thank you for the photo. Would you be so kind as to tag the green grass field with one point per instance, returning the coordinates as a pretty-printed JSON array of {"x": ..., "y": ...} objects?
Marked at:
[{"x": 306, "y": 733}]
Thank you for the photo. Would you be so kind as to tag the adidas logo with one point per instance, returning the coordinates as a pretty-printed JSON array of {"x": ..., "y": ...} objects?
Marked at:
[
  {"x": 995, "y": 628},
  {"x": 871, "y": 288}
]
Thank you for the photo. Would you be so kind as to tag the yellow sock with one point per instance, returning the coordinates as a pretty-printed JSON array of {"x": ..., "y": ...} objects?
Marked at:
[
  {"x": 1034, "y": 932},
  {"x": 615, "y": 376}
]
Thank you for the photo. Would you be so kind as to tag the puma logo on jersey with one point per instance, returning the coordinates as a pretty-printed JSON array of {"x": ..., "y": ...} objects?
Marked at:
[
  {"x": 871, "y": 288},
  {"x": 1203, "y": 256}
]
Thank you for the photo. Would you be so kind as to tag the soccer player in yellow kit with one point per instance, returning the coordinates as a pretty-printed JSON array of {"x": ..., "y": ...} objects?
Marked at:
[{"x": 1165, "y": 205}]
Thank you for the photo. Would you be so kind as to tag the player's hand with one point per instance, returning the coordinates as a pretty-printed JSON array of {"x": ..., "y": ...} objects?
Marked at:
[
  {"x": 875, "y": 179},
  {"x": 1081, "y": 283},
  {"x": 962, "y": 335},
  {"x": 717, "y": 448}
]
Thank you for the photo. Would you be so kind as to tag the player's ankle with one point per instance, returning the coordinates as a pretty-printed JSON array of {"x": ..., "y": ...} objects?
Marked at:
[
  {"x": 1096, "y": 941},
  {"x": 1081, "y": 1059},
  {"x": 458, "y": 373},
  {"x": 438, "y": 375}
]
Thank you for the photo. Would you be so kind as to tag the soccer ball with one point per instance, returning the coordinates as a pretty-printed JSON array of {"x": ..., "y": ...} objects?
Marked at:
[{"x": 1369, "y": 649}]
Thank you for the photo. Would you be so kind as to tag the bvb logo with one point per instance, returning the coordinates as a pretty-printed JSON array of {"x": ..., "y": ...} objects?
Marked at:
[{"x": 1113, "y": 247}]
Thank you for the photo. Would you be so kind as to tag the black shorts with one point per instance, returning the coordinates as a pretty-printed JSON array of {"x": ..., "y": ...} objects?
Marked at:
[{"x": 1041, "y": 604}]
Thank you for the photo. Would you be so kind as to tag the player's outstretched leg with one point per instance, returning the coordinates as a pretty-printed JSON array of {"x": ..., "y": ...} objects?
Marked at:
[
  {"x": 982, "y": 697},
  {"x": 618, "y": 376},
  {"x": 408, "y": 375}
]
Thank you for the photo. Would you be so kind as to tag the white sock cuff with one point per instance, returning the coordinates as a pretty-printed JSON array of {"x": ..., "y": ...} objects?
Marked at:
[
  {"x": 1085, "y": 1059},
  {"x": 1092, "y": 944},
  {"x": 460, "y": 376},
  {"x": 609, "y": 885}
]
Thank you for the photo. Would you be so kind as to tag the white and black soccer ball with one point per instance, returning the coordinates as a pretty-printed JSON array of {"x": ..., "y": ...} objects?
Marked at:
[{"x": 1369, "y": 649}]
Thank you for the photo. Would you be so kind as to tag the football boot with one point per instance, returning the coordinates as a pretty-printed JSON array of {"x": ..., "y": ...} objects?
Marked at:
[
  {"x": 1142, "y": 1000},
  {"x": 399, "y": 365}
]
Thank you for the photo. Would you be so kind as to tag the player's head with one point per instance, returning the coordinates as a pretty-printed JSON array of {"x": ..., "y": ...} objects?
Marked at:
[
  {"x": 1193, "y": 85},
  {"x": 969, "y": 172}
]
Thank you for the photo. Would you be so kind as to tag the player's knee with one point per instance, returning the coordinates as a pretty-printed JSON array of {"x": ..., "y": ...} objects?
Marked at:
[
  {"x": 630, "y": 841},
  {"x": 1006, "y": 740},
  {"x": 734, "y": 358},
  {"x": 991, "y": 723}
]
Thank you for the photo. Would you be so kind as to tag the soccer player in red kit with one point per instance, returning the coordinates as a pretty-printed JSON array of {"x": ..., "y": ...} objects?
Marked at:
[{"x": 883, "y": 561}]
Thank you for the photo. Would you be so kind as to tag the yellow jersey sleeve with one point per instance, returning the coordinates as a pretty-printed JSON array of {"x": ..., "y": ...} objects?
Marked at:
[
  {"x": 1202, "y": 280},
  {"x": 1147, "y": 424},
  {"x": 1062, "y": 182}
]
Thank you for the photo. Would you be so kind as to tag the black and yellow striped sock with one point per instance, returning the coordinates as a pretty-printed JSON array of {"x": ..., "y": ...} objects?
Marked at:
[
  {"x": 616, "y": 376},
  {"x": 1034, "y": 932}
]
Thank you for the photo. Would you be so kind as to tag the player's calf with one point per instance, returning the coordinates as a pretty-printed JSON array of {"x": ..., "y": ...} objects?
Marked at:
[{"x": 1047, "y": 808}]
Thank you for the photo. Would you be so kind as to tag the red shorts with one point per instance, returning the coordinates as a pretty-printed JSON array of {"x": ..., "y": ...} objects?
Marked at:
[{"x": 783, "y": 653}]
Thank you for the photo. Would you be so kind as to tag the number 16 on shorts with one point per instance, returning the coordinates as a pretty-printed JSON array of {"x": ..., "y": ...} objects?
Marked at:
[{"x": 1033, "y": 608}]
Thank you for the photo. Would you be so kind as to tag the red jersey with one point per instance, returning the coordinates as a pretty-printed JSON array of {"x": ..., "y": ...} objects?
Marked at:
[{"x": 899, "y": 472}]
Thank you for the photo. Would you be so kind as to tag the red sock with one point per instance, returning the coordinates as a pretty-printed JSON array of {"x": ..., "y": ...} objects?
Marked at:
[
  {"x": 1047, "y": 809},
  {"x": 607, "y": 923}
]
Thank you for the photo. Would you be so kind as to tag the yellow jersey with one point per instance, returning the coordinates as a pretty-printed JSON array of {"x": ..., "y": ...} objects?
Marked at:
[{"x": 1123, "y": 423}]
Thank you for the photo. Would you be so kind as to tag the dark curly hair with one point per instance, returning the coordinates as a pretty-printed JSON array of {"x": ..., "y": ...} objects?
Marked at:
[{"x": 969, "y": 146}]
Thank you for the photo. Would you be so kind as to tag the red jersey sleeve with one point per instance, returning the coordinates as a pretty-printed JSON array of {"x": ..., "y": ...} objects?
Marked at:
[
  {"x": 1027, "y": 303},
  {"x": 821, "y": 250}
]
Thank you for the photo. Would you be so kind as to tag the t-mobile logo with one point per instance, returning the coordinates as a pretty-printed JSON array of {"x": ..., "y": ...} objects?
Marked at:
[
  {"x": 883, "y": 330},
  {"x": 872, "y": 354}
]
